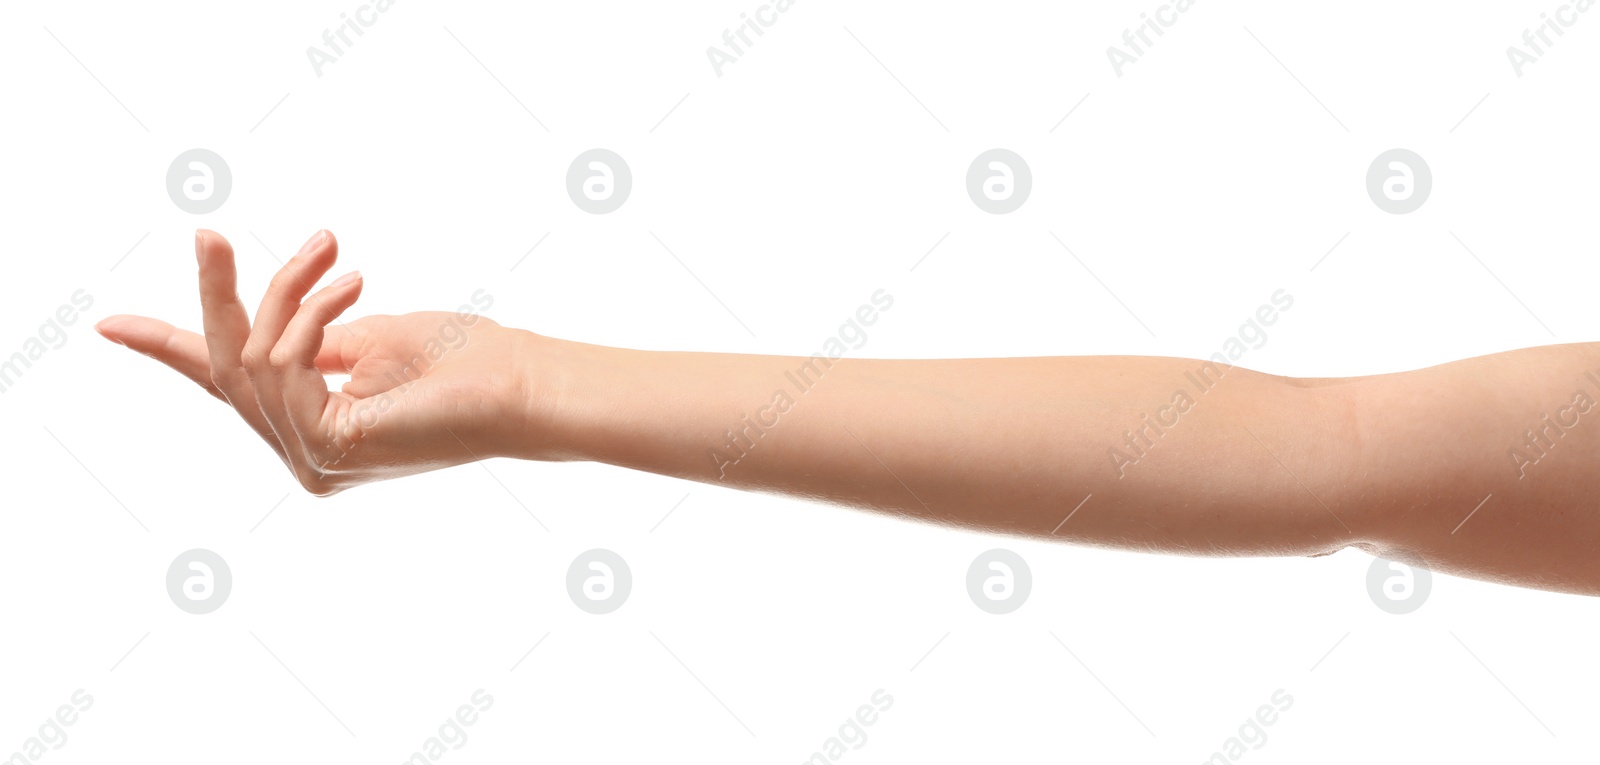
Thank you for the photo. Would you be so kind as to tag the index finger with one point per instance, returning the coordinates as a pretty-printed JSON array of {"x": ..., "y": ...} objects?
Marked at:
[{"x": 227, "y": 326}]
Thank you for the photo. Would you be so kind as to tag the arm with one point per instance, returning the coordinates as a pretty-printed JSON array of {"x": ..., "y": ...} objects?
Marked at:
[
  {"x": 1168, "y": 455},
  {"x": 1159, "y": 454}
]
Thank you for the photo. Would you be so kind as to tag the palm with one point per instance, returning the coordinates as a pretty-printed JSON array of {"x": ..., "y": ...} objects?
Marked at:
[{"x": 412, "y": 378}]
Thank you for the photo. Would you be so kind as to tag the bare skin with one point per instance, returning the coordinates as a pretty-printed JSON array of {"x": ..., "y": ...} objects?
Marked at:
[{"x": 1435, "y": 466}]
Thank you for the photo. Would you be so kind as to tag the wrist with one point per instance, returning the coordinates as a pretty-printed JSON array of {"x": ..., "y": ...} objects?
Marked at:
[{"x": 553, "y": 392}]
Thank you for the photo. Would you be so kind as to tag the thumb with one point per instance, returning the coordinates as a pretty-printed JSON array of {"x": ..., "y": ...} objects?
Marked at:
[{"x": 179, "y": 349}]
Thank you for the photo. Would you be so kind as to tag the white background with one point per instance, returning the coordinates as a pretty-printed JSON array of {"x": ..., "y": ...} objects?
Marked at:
[{"x": 793, "y": 186}]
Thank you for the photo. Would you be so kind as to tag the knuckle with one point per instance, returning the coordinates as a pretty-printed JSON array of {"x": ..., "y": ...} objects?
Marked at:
[
  {"x": 324, "y": 489},
  {"x": 253, "y": 357},
  {"x": 315, "y": 482},
  {"x": 280, "y": 357},
  {"x": 283, "y": 280}
]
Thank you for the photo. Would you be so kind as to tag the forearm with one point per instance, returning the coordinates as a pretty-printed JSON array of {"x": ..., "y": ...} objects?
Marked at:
[{"x": 1163, "y": 454}]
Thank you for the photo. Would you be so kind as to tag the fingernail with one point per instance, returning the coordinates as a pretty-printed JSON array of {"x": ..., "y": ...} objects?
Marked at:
[
  {"x": 199, "y": 244},
  {"x": 315, "y": 240},
  {"x": 349, "y": 278}
]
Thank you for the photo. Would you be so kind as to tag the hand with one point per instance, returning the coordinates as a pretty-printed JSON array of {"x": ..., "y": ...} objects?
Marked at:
[{"x": 426, "y": 390}]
